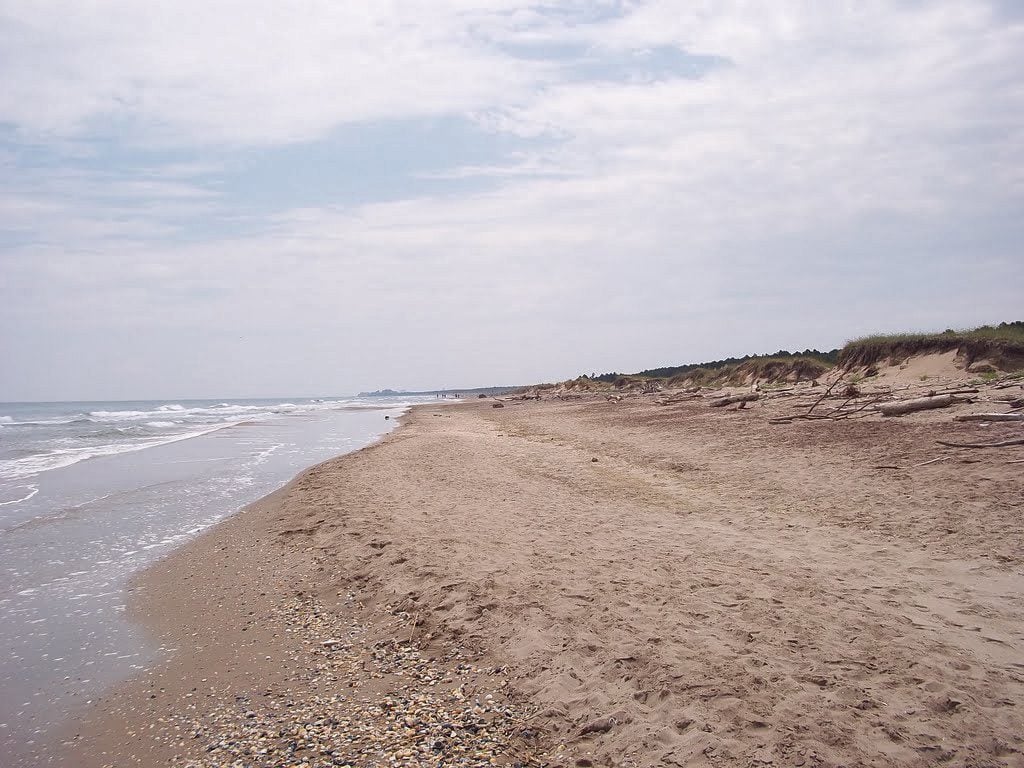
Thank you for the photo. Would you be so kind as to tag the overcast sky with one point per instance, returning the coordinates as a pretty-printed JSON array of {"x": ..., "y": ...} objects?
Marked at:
[{"x": 256, "y": 198}]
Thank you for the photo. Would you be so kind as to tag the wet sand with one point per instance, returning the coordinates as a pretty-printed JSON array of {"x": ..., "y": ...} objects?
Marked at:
[{"x": 630, "y": 584}]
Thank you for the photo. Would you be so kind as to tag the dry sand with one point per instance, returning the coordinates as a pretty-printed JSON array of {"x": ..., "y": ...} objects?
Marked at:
[{"x": 633, "y": 584}]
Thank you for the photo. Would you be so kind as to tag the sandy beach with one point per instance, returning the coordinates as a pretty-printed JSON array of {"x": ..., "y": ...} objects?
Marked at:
[{"x": 598, "y": 583}]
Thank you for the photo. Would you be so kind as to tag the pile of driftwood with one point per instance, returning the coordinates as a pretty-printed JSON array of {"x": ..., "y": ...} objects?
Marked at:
[
  {"x": 842, "y": 400},
  {"x": 854, "y": 404}
]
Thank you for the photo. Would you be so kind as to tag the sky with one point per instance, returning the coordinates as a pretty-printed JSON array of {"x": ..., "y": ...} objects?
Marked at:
[{"x": 229, "y": 199}]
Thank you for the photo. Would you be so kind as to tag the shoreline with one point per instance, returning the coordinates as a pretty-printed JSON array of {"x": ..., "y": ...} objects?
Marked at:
[
  {"x": 622, "y": 596},
  {"x": 258, "y": 644},
  {"x": 70, "y": 552}
]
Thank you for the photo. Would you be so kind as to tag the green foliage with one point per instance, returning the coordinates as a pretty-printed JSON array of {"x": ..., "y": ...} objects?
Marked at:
[{"x": 782, "y": 355}]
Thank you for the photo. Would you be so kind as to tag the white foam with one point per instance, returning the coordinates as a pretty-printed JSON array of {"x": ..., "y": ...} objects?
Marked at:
[
  {"x": 33, "y": 490},
  {"x": 41, "y": 422},
  {"x": 29, "y": 466}
]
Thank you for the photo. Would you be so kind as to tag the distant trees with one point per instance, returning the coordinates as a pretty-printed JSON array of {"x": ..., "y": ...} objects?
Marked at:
[{"x": 674, "y": 370}]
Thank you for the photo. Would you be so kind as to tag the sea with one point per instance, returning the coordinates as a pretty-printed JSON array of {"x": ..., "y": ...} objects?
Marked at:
[{"x": 92, "y": 492}]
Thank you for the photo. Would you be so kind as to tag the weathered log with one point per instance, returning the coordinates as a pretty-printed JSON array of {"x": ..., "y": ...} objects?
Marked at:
[
  {"x": 677, "y": 399},
  {"x": 730, "y": 399},
  {"x": 918, "y": 404},
  {"x": 989, "y": 417},
  {"x": 1000, "y": 444}
]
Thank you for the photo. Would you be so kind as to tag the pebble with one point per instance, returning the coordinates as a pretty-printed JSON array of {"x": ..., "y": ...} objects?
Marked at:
[{"x": 358, "y": 704}]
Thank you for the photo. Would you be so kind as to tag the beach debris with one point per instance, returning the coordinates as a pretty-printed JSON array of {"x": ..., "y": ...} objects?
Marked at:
[
  {"x": 901, "y": 407},
  {"x": 989, "y": 417},
  {"x": 913, "y": 466},
  {"x": 603, "y": 724},
  {"x": 931, "y": 461},
  {"x": 681, "y": 398},
  {"x": 746, "y": 397},
  {"x": 1000, "y": 444}
]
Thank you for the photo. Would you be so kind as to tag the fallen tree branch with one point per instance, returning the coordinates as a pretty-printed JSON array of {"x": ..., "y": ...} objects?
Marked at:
[
  {"x": 926, "y": 463},
  {"x": 825, "y": 394},
  {"x": 730, "y": 399},
  {"x": 836, "y": 414},
  {"x": 677, "y": 399},
  {"x": 989, "y": 417},
  {"x": 1000, "y": 444},
  {"x": 919, "y": 404},
  {"x": 852, "y": 414}
]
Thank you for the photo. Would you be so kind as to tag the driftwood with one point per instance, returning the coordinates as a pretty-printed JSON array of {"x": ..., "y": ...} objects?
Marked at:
[
  {"x": 1000, "y": 444},
  {"x": 844, "y": 411},
  {"x": 677, "y": 399},
  {"x": 824, "y": 394},
  {"x": 730, "y": 399},
  {"x": 919, "y": 404},
  {"x": 931, "y": 461},
  {"x": 989, "y": 417}
]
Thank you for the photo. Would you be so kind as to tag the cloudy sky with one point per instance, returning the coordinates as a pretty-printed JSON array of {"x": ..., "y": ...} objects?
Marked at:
[{"x": 245, "y": 198}]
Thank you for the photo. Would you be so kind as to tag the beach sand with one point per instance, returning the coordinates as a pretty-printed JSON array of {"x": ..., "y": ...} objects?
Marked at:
[{"x": 598, "y": 583}]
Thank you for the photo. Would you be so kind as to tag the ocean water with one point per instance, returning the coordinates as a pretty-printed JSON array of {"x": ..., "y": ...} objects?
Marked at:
[{"x": 92, "y": 492}]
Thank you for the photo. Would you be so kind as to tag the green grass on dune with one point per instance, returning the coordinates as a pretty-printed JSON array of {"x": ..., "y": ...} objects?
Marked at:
[{"x": 1003, "y": 343}]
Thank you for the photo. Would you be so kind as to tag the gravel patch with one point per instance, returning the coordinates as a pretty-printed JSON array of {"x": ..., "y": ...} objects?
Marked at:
[{"x": 359, "y": 703}]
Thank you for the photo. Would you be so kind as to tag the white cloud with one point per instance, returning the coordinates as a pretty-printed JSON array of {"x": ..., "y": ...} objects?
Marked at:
[
  {"x": 831, "y": 152},
  {"x": 243, "y": 72}
]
